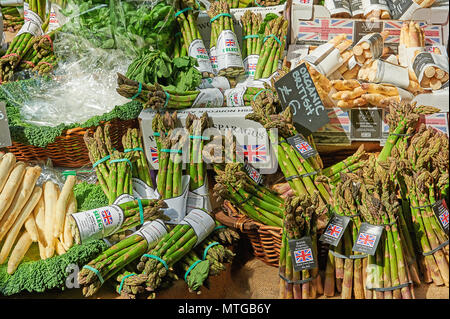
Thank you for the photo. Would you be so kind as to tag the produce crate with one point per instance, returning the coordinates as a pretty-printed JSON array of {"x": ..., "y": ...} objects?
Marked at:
[{"x": 69, "y": 149}]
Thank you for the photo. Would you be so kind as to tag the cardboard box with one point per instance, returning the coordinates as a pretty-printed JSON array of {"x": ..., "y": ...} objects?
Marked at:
[
  {"x": 251, "y": 135},
  {"x": 313, "y": 27}
]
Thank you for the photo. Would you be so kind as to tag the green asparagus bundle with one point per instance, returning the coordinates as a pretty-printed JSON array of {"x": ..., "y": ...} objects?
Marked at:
[
  {"x": 302, "y": 174},
  {"x": 193, "y": 41},
  {"x": 272, "y": 48},
  {"x": 224, "y": 44},
  {"x": 387, "y": 272},
  {"x": 299, "y": 221},
  {"x": 132, "y": 143},
  {"x": 115, "y": 258},
  {"x": 216, "y": 254},
  {"x": 158, "y": 263},
  {"x": 196, "y": 167},
  {"x": 155, "y": 96},
  {"x": 194, "y": 270},
  {"x": 180, "y": 49},
  {"x": 42, "y": 48},
  {"x": 113, "y": 168},
  {"x": 12, "y": 21},
  {"x": 345, "y": 269},
  {"x": 252, "y": 200},
  {"x": 344, "y": 164},
  {"x": 46, "y": 65},
  {"x": 169, "y": 144},
  {"x": 268, "y": 3},
  {"x": 252, "y": 41},
  {"x": 135, "y": 213},
  {"x": 22, "y": 43},
  {"x": 424, "y": 172}
]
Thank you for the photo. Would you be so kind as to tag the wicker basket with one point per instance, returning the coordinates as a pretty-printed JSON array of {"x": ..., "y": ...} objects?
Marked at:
[
  {"x": 265, "y": 240},
  {"x": 69, "y": 149}
]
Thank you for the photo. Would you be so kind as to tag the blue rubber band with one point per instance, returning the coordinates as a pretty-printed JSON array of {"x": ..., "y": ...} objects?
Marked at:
[
  {"x": 158, "y": 259},
  {"x": 256, "y": 95},
  {"x": 95, "y": 271},
  {"x": 198, "y": 137},
  {"x": 141, "y": 210},
  {"x": 138, "y": 92},
  {"x": 123, "y": 279},
  {"x": 258, "y": 4},
  {"x": 181, "y": 11},
  {"x": 207, "y": 248},
  {"x": 273, "y": 36},
  {"x": 178, "y": 34},
  {"x": 190, "y": 268},
  {"x": 74, "y": 173},
  {"x": 127, "y": 150},
  {"x": 167, "y": 99},
  {"x": 165, "y": 150},
  {"x": 220, "y": 227},
  {"x": 122, "y": 160},
  {"x": 220, "y": 15},
  {"x": 158, "y": 134},
  {"x": 250, "y": 36},
  {"x": 104, "y": 159}
]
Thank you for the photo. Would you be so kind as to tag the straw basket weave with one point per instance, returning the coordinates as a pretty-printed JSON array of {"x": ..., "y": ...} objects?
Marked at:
[{"x": 68, "y": 149}]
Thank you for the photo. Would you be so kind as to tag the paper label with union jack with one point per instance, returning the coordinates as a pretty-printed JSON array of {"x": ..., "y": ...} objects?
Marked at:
[
  {"x": 98, "y": 223},
  {"x": 301, "y": 146},
  {"x": 211, "y": 97},
  {"x": 32, "y": 25},
  {"x": 253, "y": 173},
  {"x": 302, "y": 254},
  {"x": 213, "y": 59},
  {"x": 197, "y": 50},
  {"x": 368, "y": 239},
  {"x": 235, "y": 96},
  {"x": 335, "y": 230},
  {"x": 228, "y": 51},
  {"x": 53, "y": 23},
  {"x": 250, "y": 63},
  {"x": 441, "y": 211}
]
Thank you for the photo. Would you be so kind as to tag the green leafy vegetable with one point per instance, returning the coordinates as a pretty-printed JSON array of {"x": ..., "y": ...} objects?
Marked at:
[{"x": 89, "y": 196}]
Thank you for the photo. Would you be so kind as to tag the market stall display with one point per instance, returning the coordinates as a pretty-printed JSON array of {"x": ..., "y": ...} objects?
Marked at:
[{"x": 131, "y": 210}]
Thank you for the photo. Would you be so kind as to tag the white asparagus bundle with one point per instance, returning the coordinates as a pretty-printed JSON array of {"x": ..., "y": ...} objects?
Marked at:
[
  {"x": 7, "y": 163},
  {"x": 432, "y": 70},
  {"x": 11, "y": 187},
  {"x": 50, "y": 198},
  {"x": 371, "y": 46},
  {"x": 15, "y": 229},
  {"x": 61, "y": 205},
  {"x": 425, "y": 3},
  {"x": 376, "y": 9},
  {"x": 19, "y": 251},
  {"x": 39, "y": 217},
  {"x": 24, "y": 190},
  {"x": 66, "y": 237},
  {"x": 356, "y": 9},
  {"x": 338, "y": 8}
]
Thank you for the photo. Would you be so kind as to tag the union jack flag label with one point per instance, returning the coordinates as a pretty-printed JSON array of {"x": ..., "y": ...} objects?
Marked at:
[
  {"x": 368, "y": 238},
  {"x": 154, "y": 154},
  {"x": 107, "y": 218},
  {"x": 441, "y": 211},
  {"x": 302, "y": 253},
  {"x": 302, "y": 146},
  {"x": 253, "y": 173},
  {"x": 230, "y": 43},
  {"x": 253, "y": 153},
  {"x": 335, "y": 230}
]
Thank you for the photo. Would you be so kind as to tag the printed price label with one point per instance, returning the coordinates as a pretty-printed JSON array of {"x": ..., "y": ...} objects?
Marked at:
[
  {"x": 98, "y": 223},
  {"x": 197, "y": 50},
  {"x": 298, "y": 91},
  {"x": 201, "y": 222},
  {"x": 335, "y": 230},
  {"x": 302, "y": 146},
  {"x": 124, "y": 198},
  {"x": 363, "y": 28},
  {"x": 142, "y": 190},
  {"x": 152, "y": 231},
  {"x": 302, "y": 254},
  {"x": 5, "y": 135},
  {"x": 368, "y": 239},
  {"x": 441, "y": 211},
  {"x": 365, "y": 124}
]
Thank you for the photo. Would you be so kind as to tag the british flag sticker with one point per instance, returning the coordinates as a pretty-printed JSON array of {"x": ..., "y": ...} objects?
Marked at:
[
  {"x": 302, "y": 146},
  {"x": 302, "y": 254},
  {"x": 368, "y": 238},
  {"x": 335, "y": 230},
  {"x": 441, "y": 211},
  {"x": 253, "y": 173}
]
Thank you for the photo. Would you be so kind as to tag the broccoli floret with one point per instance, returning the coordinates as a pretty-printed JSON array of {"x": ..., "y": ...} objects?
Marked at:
[
  {"x": 89, "y": 196},
  {"x": 42, "y": 275}
]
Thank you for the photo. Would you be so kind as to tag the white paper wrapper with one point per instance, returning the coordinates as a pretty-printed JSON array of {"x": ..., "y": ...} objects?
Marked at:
[
  {"x": 392, "y": 74},
  {"x": 356, "y": 7},
  {"x": 235, "y": 96},
  {"x": 123, "y": 199},
  {"x": 197, "y": 50},
  {"x": 406, "y": 55},
  {"x": 325, "y": 59},
  {"x": 152, "y": 231},
  {"x": 426, "y": 59},
  {"x": 218, "y": 82},
  {"x": 32, "y": 24},
  {"x": 403, "y": 9},
  {"x": 12, "y": 3},
  {"x": 201, "y": 222},
  {"x": 199, "y": 198},
  {"x": 250, "y": 63},
  {"x": 53, "y": 24},
  {"x": 211, "y": 97},
  {"x": 213, "y": 59},
  {"x": 371, "y": 5},
  {"x": 176, "y": 210},
  {"x": 228, "y": 51},
  {"x": 141, "y": 190},
  {"x": 338, "y": 6},
  {"x": 376, "y": 43},
  {"x": 98, "y": 223}
]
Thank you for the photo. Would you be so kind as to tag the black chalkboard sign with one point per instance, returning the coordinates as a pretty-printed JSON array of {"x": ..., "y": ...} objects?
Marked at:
[
  {"x": 399, "y": 7},
  {"x": 298, "y": 91}
]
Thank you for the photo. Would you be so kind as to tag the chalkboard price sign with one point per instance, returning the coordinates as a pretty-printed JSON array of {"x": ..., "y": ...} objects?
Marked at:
[
  {"x": 298, "y": 91},
  {"x": 5, "y": 137}
]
